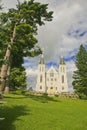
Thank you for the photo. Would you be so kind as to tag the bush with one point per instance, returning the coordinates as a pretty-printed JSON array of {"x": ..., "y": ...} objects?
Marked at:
[
  {"x": 82, "y": 96},
  {"x": 45, "y": 95},
  {"x": 56, "y": 95},
  {"x": 1, "y": 96}
]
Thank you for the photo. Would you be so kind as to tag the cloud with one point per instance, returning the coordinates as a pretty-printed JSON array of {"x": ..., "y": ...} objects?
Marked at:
[{"x": 32, "y": 72}]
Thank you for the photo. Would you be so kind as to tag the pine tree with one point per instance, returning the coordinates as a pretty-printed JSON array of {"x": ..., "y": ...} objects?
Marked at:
[{"x": 80, "y": 75}]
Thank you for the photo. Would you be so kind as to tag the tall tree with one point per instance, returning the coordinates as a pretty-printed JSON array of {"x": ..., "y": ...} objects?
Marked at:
[
  {"x": 80, "y": 75},
  {"x": 21, "y": 25}
]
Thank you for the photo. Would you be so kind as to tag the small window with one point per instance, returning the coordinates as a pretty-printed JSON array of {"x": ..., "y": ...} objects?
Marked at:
[
  {"x": 51, "y": 74},
  {"x": 41, "y": 78},
  {"x": 46, "y": 88},
  {"x": 51, "y": 88},
  {"x": 63, "y": 69},
  {"x": 40, "y": 87},
  {"x": 51, "y": 79},
  {"x": 62, "y": 78},
  {"x": 62, "y": 87},
  {"x": 56, "y": 88},
  {"x": 55, "y": 79}
]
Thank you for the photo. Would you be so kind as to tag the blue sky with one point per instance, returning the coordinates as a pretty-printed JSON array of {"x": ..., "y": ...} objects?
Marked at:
[{"x": 62, "y": 36}]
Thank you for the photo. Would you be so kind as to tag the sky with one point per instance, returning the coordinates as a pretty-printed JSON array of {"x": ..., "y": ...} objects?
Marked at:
[{"x": 60, "y": 37}]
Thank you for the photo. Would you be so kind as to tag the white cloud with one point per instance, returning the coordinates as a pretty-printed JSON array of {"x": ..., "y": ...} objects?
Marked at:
[{"x": 32, "y": 72}]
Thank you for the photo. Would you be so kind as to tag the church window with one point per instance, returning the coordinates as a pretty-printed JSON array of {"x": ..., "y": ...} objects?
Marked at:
[
  {"x": 41, "y": 78},
  {"x": 51, "y": 79},
  {"x": 46, "y": 88},
  {"x": 63, "y": 69},
  {"x": 40, "y": 87},
  {"x": 51, "y": 88},
  {"x": 62, "y": 87},
  {"x": 62, "y": 78},
  {"x": 51, "y": 74}
]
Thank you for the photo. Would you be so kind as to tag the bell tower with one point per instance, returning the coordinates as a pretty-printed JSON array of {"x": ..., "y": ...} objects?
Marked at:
[
  {"x": 41, "y": 76},
  {"x": 62, "y": 76}
]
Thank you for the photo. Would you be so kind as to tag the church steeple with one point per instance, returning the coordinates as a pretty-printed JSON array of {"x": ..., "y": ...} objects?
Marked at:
[
  {"x": 42, "y": 59},
  {"x": 62, "y": 62}
]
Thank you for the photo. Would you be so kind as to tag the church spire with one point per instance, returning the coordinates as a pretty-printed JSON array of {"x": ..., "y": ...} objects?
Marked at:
[
  {"x": 42, "y": 59},
  {"x": 62, "y": 62}
]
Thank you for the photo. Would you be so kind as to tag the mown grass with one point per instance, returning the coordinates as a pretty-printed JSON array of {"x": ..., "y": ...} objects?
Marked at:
[{"x": 42, "y": 113}]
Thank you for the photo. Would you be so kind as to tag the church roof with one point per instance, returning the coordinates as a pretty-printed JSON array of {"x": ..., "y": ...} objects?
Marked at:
[{"x": 52, "y": 70}]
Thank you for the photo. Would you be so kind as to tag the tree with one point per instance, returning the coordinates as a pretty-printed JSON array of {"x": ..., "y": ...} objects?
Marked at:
[
  {"x": 80, "y": 75},
  {"x": 19, "y": 26},
  {"x": 17, "y": 78}
]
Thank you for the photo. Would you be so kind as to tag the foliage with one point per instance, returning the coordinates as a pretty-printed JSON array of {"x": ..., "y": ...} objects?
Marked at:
[
  {"x": 31, "y": 113},
  {"x": 80, "y": 75},
  {"x": 82, "y": 96},
  {"x": 25, "y": 19},
  {"x": 18, "y": 78}
]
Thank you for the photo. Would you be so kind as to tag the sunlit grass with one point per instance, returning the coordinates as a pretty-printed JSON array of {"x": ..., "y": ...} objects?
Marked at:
[{"x": 42, "y": 113}]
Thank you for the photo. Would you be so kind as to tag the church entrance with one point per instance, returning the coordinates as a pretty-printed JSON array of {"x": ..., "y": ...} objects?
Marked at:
[{"x": 52, "y": 91}]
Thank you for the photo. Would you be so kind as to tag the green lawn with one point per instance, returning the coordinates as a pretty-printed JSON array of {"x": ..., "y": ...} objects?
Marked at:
[{"x": 42, "y": 113}]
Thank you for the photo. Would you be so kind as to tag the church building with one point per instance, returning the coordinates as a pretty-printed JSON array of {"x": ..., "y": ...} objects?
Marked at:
[{"x": 51, "y": 81}]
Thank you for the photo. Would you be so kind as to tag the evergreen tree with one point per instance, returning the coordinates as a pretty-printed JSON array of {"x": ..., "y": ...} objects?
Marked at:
[
  {"x": 80, "y": 75},
  {"x": 18, "y": 28}
]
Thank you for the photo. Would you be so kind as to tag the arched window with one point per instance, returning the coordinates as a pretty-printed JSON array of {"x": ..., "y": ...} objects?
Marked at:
[
  {"x": 41, "y": 78},
  {"x": 40, "y": 87},
  {"x": 62, "y": 87},
  {"x": 63, "y": 69},
  {"x": 51, "y": 74},
  {"x": 62, "y": 78}
]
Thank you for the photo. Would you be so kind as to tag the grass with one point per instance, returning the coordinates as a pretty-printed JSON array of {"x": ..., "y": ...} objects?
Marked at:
[{"x": 32, "y": 112}]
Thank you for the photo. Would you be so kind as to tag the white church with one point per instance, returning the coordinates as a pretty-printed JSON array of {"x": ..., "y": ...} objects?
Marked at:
[{"x": 51, "y": 81}]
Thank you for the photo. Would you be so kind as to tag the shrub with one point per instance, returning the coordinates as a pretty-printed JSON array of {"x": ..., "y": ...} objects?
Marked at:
[
  {"x": 45, "y": 95},
  {"x": 56, "y": 95},
  {"x": 82, "y": 96}
]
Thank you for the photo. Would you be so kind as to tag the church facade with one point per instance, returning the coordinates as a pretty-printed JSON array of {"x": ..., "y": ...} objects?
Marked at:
[{"x": 51, "y": 81}]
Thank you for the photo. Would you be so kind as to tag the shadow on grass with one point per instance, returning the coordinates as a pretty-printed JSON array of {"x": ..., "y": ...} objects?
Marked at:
[
  {"x": 11, "y": 114},
  {"x": 42, "y": 98}
]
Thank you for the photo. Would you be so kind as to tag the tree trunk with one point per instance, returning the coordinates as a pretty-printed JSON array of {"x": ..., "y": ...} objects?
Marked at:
[
  {"x": 6, "y": 91},
  {"x": 5, "y": 66}
]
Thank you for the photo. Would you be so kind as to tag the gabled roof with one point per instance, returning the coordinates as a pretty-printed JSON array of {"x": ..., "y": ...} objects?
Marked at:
[{"x": 51, "y": 70}]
